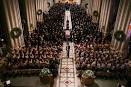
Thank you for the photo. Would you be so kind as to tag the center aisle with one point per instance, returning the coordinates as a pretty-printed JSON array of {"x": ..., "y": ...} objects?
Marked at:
[
  {"x": 67, "y": 17},
  {"x": 67, "y": 72}
]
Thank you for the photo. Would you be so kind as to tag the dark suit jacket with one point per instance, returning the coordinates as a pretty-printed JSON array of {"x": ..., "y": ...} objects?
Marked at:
[{"x": 68, "y": 48}]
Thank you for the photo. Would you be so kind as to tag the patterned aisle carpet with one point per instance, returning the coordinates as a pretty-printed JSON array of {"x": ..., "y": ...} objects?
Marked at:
[{"x": 67, "y": 72}]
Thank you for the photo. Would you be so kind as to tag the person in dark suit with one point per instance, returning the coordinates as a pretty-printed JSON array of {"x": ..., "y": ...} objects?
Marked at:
[{"x": 68, "y": 50}]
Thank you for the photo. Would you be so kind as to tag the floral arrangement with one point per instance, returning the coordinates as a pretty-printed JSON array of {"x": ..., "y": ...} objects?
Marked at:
[
  {"x": 88, "y": 74},
  {"x": 45, "y": 72}
]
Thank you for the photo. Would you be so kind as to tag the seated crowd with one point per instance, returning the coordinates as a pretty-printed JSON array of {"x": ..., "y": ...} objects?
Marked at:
[
  {"x": 27, "y": 58},
  {"x": 44, "y": 45},
  {"x": 100, "y": 57},
  {"x": 81, "y": 23},
  {"x": 32, "y": 58}
]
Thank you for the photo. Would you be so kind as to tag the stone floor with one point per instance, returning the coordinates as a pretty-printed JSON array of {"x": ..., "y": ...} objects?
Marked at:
[
  {"x": 67, "y": 71},
  {"x": 105, "y": 83},
  {"x": 35, "y": 82}
]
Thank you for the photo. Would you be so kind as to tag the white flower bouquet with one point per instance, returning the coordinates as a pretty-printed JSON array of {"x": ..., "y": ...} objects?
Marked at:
[
  {"x": 88, "y": 74},
  {"x": 45, "y": 72}
]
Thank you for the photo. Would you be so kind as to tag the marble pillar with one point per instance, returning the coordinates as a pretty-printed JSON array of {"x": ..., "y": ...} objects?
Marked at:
[
  {"x": 104, "y": 15},
  {"x": 56, "y": 1},
  {"x": 96, "y": 4},
  {"x": 44, "y": 5},
  {"x": 13, "y": 19},
  {"x": 31, "y": 14},
  {"x": 89, "y": 5},
  {"x": 51, "y": 2},
  {"x": 93, "y": 5},
  {"x": 122, "y": 22},
  {"x": 77, "y": 2}
]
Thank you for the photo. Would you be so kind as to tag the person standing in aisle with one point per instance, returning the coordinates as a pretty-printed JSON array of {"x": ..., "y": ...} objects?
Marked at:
[{"x": 68, "y": 50}]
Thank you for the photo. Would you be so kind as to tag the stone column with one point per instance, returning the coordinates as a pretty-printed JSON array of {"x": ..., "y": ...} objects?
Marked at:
[
  {"x": 51, "y": 2},
  {"x": 44, "y": 6},
  {"x": 56, "y": 1},
  {"x": 95, "y": 7},
  {"x": 31, "y": 14},
  {"x": 89, "y": 6},
  {"x": 13, "y": 20},
  {"x": 77, "y": 2},
  {"x": 104, "y": 15},
  {"x": 122, "y": 22}
]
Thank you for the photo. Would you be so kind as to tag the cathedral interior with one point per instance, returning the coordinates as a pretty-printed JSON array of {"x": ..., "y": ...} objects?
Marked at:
[{"x": 65, "y": 43}]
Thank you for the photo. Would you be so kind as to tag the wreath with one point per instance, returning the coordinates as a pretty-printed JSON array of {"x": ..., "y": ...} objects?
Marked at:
[
  {"x": 119, "y": 35},
  {"x": 95, "y": 13},
  {"x": 15, "y": 32},
  {"x": 39, "y": 12}
]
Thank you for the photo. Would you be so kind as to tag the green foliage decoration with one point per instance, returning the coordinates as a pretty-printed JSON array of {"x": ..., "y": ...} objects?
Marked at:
[
  {"x": 95, "y": 13},
  {"x": 15, "y": 32},
  {"x": 119, "y": 36},
  {"x": 45, "y": 72}
]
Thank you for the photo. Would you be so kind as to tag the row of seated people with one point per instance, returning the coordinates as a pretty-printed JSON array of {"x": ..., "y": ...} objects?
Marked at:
[
  {"x": 95, "y": 38},
  {"x": 100, "y": 58},
  {"x": 19, "y": 68},
  {"x": 36, "y": 39},
  {"x": 32, "y": 57},
  {"x": 33, "y": 52}
]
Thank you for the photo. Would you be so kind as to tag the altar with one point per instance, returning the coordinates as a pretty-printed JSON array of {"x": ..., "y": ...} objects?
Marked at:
[{"x": 71, "y": 1}]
